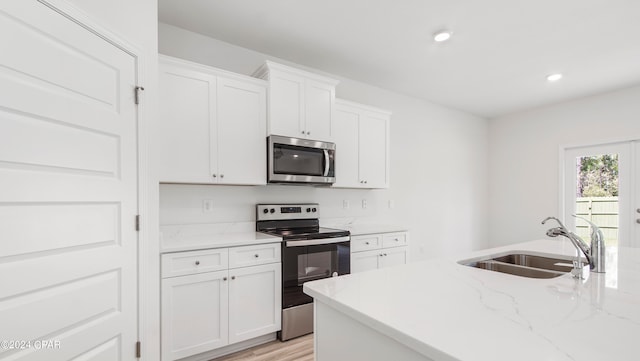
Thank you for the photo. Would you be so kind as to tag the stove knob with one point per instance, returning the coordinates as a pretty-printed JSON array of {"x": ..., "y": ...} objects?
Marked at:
[
  {"x": 265, "y": 211},
  {"x": 308, "y": 210},
  {"x": 272, "y": 210},
  {"x": 313, "y": 209}
]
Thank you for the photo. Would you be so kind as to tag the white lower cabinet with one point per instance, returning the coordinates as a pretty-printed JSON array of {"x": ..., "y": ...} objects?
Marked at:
[
  {"x": 194, "y": 314},
  {"x": 254, "y": 308},
  {"x": 373, "y": 251},
  {"x": 206, "y": 311}
]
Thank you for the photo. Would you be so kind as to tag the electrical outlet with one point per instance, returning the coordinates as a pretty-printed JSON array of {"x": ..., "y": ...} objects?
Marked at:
[
  {"x": 207, "y": 206},
  {"x": 345, "y": 204},
  {"x": 364, "y": 204}
]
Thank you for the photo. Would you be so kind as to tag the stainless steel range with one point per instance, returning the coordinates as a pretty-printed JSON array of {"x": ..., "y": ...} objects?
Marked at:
[{"x": 309, "y": 252}]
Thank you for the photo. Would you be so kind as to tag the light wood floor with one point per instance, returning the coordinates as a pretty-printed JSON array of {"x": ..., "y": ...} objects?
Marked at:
[{"x": 298, "y": 349}]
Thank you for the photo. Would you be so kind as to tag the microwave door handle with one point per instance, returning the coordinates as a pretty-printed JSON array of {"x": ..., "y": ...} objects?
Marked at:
[{"x": 326, "y": 162}]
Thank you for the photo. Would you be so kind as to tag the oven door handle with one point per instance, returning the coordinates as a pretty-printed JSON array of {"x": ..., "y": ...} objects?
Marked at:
[
  {"x": 326, "y": 163},
  {"x": 316, "y": 242}
]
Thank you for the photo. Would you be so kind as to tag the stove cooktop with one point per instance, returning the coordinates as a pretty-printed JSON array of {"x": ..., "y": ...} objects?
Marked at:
[{"x": 307, "y": 233}]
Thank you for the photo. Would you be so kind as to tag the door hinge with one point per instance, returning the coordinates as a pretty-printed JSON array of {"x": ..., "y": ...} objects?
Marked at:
[
  {"x": 137, "y": 222},
  {"x": 138, "y": 347},
  {"x": 136, "y": 92}
]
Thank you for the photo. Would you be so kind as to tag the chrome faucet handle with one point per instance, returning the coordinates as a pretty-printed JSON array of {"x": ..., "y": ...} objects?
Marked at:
[{"x": 597, "y": 252}]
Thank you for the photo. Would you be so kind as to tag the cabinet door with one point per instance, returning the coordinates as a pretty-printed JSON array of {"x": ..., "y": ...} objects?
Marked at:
[
  {"x": 186, "y": 112},
  {"x": 319, "y": 100},
  {"x": 194, "y": 314},
  {"x": 373, "y": 146},
  {"x": 255, "y": 301},
  {"x": 345, "y": 135},
  {"x": 240, "y": 134},
  {"x": 394, "y": 256},
  {"x": 286, "y": 104},
  {"x": 365, "y": 261}
]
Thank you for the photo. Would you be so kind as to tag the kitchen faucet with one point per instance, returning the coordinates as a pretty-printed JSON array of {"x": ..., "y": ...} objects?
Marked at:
[{"x": 595, "y": 253}]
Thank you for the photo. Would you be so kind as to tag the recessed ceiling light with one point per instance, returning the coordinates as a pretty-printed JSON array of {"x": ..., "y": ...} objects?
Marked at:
[
  {"x": 554, "y": 77},
  {"x": 442, "y": 35}
]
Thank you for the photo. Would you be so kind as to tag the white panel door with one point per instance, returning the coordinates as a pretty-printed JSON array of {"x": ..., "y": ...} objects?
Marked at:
[
  {"x": 345, "y": 135},
  {"x": 68, "y": 189},
  {"x": 241, "y": 132},
  {"x": 635, "y": 218},
  {"x": 319, "y": 102},
  {"x": 185, "y": 116},
  {"x": 255, "y": 301}
]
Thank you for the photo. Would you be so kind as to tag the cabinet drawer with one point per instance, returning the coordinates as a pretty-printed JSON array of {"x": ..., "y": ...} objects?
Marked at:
[
  {"x": 185, "y": 263},
  {"x": 254, "y": 255},
  {"x": 394, "y": 240},
  {"x": 366, "y": 242}
]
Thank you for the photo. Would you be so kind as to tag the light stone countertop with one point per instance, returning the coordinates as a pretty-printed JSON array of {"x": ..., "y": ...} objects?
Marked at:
[
  {"x": 448, "y": 311},
  {"x": 363, "y": 229},
  {"x": 197, "y": 237}
]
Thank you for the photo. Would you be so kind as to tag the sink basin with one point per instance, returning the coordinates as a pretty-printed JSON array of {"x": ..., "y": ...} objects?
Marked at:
[{"x": 524, "y": 265}]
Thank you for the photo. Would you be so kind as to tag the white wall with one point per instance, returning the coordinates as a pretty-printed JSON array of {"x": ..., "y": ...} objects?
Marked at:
[
  {"x": 524, "y": 157},
  {"x": 438, "y": 165}
]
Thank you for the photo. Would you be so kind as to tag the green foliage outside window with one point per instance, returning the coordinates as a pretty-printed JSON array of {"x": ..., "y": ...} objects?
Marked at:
[{"x": 598, "y": 176}]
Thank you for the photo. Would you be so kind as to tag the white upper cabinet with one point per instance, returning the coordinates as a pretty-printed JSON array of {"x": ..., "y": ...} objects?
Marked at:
[
  {"x": 212, "y": 125},
  {"x": 301, "y": 103},
  {"x": 241, "y": 132},
  {"x": 361, "y": 134}
]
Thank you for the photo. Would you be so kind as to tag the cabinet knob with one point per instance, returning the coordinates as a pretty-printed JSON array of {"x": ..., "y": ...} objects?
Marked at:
[
  {"x": 638, "y": 221},
  {"x": 397, "y": 240},
  {"x": 197, "y": 263},
  {"x": 384, "y": 254},
  {"x": 221, "y": 175},
  {"x": 365, "y": 182},
  {"x": 233, "y": 277},
  {"x": 214, "y": 175},
  {"x": 308, "y": 133},
  {"x": 367, "y": 243},
  {"x": 303, "y": 132},
  {"x": 224, "y": 278},
  {"x": 256, "y": 255}
]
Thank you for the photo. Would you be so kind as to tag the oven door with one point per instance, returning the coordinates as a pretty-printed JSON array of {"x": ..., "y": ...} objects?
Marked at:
[
  {"x": 308, "y": 260},
  {"x": 293, "y": 160}
]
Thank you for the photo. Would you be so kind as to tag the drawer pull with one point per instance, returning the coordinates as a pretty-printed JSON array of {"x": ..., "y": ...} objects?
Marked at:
[
  {"x": 256, "y": 255},
  {"x": 197, "y": 263},
  {"x": 233, "y": 277},
  {"x": 384, "y": 254},
  {"x": 367, "y": 243},
  {"x": 224, "y": 278},
  {"x": 395, "y": 239}
]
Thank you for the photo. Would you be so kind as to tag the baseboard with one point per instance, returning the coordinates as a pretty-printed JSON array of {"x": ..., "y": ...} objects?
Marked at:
[{"x": 210, "y": 355}]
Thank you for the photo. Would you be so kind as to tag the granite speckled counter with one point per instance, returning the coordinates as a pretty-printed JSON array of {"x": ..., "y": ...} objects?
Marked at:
[{"x": 442, "y": 310}]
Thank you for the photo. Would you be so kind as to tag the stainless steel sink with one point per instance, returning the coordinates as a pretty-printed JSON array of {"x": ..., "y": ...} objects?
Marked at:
[{"x": 524, "y": 265}]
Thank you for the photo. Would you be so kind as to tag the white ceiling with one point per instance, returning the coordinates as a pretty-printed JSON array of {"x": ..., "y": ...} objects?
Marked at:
[{"x": 495, "y": 63}]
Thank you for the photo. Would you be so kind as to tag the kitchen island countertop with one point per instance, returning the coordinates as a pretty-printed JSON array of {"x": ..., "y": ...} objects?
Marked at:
[{"x": 442, "y": 310}]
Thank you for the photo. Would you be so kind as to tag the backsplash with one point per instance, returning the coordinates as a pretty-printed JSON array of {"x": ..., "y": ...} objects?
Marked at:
[{"x": 184, "y": 204}]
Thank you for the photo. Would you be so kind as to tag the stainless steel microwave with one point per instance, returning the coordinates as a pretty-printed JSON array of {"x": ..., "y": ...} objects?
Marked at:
[{"x": 294, "y": 160}]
